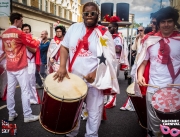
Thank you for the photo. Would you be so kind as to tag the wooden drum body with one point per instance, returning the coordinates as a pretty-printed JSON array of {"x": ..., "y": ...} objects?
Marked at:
[
  {"x": 139, "y": 105},
  {"x": 62, "y": 103}
]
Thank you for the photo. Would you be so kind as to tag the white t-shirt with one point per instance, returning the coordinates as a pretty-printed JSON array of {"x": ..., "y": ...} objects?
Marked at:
[
  {"x": 159, "y": 73},
  {"x": 86, "y": 61}
]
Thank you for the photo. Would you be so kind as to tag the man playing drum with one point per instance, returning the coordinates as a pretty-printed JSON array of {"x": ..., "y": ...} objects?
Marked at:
[
  {"x": 53, "y": 54},
  {"x": 92, "y": 57},
  {"x": 162, "y": 50},
  {"x": 14, "y": 45},
  {"x": 33, "y": 57}
]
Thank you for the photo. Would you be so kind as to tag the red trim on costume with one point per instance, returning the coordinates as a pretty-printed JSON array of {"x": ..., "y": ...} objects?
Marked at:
[
  {"x": 30, "y": 58},
  {"x": 39, "y": 100},
  {"x": 110, "y": 104},
  {"x": 81, "y": 44},
  {"x": 146, "y": 77},
  {"x": 124, "y": 105},
  {"x": 102, "y": 29},
  {"x": 57, "y": 40}
]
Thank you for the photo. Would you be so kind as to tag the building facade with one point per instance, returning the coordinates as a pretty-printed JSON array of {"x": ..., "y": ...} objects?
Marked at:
[
  {"x": 176, "y": 4},
  {"x": 44, "y": 14}
]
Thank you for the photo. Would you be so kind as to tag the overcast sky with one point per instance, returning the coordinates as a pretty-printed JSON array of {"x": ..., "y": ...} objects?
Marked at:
[{"x": 141, "y": 8}]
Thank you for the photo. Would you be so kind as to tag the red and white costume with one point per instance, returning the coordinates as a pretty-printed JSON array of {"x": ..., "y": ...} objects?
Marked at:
[
  {"x": 14, "y": 41},
  {"x": 118, "y": 41},
  {"x": 158, "y": 69},
  {"x": 34, "y": 97},
  {"x": 54, "y": 53},
  {"x": 3, "y": 76},
  {"x": 97, "y": 52}
]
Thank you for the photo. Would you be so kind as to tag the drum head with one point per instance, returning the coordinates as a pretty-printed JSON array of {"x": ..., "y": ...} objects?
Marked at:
[
  {"x": 166, "y": 100},
  {"x": 130, "y": 89},
  {"x": 69, "y": 89}
]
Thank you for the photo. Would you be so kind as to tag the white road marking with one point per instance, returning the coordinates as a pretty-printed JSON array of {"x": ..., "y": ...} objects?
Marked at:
[{"x": 3, "y": 107}]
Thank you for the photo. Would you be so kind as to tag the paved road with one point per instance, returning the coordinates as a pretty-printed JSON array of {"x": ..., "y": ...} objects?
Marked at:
[{"x": 119, "y": 123}]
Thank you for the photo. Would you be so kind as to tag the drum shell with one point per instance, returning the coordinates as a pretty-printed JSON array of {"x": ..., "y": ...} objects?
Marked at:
[
  {"x": 58, "y": 116},
  {"x": 140, "y": 107},
  {"x": 168, "y": 116}
]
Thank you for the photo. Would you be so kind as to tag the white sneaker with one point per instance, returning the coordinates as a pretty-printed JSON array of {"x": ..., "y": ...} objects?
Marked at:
[
  {"x": 31, "y": 118},
  {"x": 11, "y": 118}
]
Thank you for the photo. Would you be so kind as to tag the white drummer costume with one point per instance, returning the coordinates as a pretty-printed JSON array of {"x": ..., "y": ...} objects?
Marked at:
[
  {"x": 118, "y": 41},
  {"x": 100, "y": 55},
  {"x": 54, "y": 53},
  {"x": 34, "y": 97},
  {"x": 159, "y": 73}
]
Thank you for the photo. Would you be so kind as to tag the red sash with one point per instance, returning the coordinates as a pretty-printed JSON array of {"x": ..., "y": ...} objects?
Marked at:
[{"x": 81, "y": 44}]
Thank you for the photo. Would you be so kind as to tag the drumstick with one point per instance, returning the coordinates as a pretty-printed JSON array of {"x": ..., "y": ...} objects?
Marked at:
[
  {"x": 148, "y": 85},
  {"x": 173, "y": 84}
]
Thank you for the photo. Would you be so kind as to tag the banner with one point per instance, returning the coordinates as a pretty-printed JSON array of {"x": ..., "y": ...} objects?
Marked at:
[{"x": 5, "y": 7}]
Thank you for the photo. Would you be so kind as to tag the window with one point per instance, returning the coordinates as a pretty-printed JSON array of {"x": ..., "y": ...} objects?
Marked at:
[
  {"x": 24, "y": 2},
  {"x": 40, "y": 4},
  {"x": 54, "y": 9},
  {"x": 46, "y": 6}
]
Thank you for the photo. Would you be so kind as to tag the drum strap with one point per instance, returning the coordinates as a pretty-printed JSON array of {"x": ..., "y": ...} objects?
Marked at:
[
  {"x": 81, "y": 44},
  {"x": 30, "y": 58},
  {"x": 170, "y": 66}
]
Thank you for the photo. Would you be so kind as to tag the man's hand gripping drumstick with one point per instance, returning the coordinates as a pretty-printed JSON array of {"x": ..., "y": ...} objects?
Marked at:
[{"x": 62, "y": 72}]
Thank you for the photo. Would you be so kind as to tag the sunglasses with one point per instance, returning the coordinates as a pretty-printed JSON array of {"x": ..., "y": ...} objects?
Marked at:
[
  {"x": 140, "y": 30},
  {"x": 166, "y": 130},
  {"x": 93, "y": 13},
  {"x": 153, "y": 22},
  {"x": 110, "y": 27}
]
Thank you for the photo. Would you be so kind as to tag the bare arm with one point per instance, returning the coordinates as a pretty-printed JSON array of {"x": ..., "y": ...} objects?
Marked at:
[
  {"x": 140, "y": 72},
  {"x": 62, "y": 72}
]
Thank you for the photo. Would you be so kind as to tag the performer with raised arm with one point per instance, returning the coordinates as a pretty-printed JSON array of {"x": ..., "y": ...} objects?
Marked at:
[
  {"x": 162, "y": 50},
  {"x": 53, "y": 55},
  {"x": 33, "y": 57},
  {"x": 92, "y": 57},
  {"x": 14, "y": 45}
]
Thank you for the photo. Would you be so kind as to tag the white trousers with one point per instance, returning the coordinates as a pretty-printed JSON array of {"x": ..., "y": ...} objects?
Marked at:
[
  {"x": 153, "y": 123},
  {"x": 20, "y": 76},
  {"x": 32, "y": 83},
  {"x": 94, "y": 104}
]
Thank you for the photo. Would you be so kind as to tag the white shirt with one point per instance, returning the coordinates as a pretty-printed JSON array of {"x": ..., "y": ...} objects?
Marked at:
[
  {"x": 86, "y": 61},
  {"x": 159, "y": 73}
]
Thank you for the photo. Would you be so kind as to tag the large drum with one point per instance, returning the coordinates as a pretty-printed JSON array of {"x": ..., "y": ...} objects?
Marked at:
[
  {"x": 166, "y": 103},
  {"x": 139, "y": 105},
  {"x": 62, "y": 103}
]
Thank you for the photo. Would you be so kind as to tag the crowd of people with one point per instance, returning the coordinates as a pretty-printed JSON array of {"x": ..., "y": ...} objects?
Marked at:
[{"x": 95, "y": 53}]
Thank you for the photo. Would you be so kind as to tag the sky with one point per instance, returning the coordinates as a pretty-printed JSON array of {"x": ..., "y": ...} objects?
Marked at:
[{"x": 141, "y": 8}]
